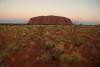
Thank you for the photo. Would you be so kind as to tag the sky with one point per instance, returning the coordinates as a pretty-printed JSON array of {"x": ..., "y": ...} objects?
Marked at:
[{"x": 87, "y": 11}]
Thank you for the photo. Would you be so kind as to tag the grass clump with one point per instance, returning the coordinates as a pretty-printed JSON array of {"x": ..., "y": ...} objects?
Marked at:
[{"x": 70, "y": 58}]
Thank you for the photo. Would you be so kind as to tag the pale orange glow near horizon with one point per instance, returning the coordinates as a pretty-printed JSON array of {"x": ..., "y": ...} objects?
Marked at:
[{"x": 84, "y": 10}]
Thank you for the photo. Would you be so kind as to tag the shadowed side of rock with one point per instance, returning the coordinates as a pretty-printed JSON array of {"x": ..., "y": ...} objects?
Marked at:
[{"x": 50, "y": 20}]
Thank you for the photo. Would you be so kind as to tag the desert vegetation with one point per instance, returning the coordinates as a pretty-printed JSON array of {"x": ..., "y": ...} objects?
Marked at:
[{"x": 49, "y": 46}]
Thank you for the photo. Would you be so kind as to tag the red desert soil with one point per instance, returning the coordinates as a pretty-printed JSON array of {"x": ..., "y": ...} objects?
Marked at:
[
  {"x": 31, "y": 37},
  {"x": 27, "y": 58}
]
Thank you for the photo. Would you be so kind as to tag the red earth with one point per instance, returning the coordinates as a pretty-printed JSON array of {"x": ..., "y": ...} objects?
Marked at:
[{"x": 89, "y": 51}]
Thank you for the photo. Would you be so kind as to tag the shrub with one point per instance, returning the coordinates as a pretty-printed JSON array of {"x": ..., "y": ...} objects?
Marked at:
[
  {"x": 70, "y": 58},
  {"x": 98, "y": 45}
]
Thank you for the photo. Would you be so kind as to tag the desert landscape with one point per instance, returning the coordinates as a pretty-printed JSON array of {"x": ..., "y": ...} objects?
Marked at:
[
  {"x": 49, "y": 33},
  {"x": 49, "y": 46}
]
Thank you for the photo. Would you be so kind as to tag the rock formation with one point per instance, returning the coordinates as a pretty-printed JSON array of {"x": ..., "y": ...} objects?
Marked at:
[{"x": 50, "y": 20}]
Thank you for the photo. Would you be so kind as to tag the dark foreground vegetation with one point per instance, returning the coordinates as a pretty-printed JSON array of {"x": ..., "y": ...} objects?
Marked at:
[{"x": 49, "y": 46}]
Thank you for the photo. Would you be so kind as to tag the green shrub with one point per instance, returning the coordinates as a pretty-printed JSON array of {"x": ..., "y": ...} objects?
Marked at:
[
  {"x": 70, "y": 58},
  {"x": 98, "y": 45}
]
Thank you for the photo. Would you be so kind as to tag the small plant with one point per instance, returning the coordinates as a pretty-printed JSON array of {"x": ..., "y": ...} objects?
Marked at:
[
  {"x": 70, "y": 58},
  {"x": 98, "y": 45}
]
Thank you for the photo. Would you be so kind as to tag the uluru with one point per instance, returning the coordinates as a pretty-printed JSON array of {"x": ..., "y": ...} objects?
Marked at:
[{"x": 51, "y": 19}]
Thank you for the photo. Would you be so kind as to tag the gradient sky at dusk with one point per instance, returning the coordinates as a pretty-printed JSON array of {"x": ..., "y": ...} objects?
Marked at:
[{"x": 84, "y": 10}]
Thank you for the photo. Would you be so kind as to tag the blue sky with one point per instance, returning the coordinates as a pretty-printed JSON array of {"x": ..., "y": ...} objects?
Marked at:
[{"x": 84, "y": 10}]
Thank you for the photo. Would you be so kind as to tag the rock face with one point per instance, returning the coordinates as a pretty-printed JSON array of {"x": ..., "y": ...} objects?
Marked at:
[{"x": 50, "y": 20}]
